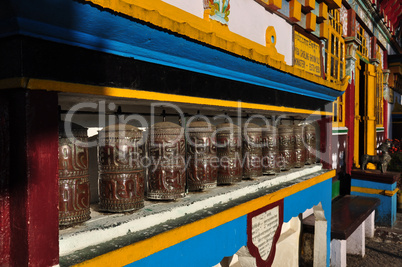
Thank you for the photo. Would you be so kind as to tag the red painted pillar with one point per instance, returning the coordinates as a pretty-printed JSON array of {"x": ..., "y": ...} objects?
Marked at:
[
  {"x": 350, "y": 124},
  {"x": 33, "y": 186},
  {"x": 4, "y": 183},
  {"x": 351, "y": 31}
]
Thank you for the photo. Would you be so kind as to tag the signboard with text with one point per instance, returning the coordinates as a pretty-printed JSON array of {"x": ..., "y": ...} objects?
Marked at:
[
  {"x": 263, "y": 230},
  {"x": 307, "y": 54}
]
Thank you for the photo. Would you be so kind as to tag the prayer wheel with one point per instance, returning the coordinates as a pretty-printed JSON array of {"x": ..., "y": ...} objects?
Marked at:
[
  {"x": 229, "y": 153},
  {"x": 73, "y": 175},
  {"x": 300, "y": 151},
  {"x": 167, "y": 173},
  {"x": 270, "y": 150},
  {"x": 252, "y": 150},
  {"x": 310, "y": 141},
  {"x": 202, "y": 170},
  {"x": 286, "y": 147},
  {"x": 121, "y": 174}
]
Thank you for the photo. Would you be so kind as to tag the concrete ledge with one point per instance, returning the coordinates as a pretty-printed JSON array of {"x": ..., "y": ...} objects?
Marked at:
[{"x": 158, "y": 217}]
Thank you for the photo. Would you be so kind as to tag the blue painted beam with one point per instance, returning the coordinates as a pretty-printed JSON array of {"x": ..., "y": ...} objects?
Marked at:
[
  {"x": 306, "y": 199},
  {"x": 206, "y": 249}
]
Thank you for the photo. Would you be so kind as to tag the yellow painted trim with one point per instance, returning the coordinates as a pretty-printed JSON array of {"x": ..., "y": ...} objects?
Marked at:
[
  {"x": 374, "y": 191},
  {"x": 207, "y": 31},
  {"x": 11, "y": 83},
  {"x": 49, "y": 85},
  {"x": 142, "y": 249},
  {"x": 371, "y": 133}
]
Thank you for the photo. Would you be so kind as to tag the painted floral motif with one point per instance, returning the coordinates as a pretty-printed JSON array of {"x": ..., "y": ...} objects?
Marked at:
[
  {"x": 220, "y": 10},
  {"x": 344, "y": 20},
  {"x": 365, "y": 18},
  {"x": 381, "y": 38},
  {"x": 381, "y": 55},
  {"x": 368, "y": 44}
]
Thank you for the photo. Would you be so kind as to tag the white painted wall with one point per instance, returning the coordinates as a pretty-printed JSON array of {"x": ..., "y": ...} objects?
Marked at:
[
  {"x": 250, "y": 20},
  {"x": 195, "y": 7}
]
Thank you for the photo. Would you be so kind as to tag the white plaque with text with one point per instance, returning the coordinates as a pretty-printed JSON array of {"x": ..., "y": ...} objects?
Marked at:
[{"x": 263, "y": 230}]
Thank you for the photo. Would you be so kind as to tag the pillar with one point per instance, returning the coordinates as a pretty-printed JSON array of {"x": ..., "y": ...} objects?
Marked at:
[
  {"x": 4, "y": 183},
  {"x": 351, "y": 57},
  {"x": 351, "y": 31},
  {"x": 369, "y": 225},
  {"x": 338, "y": 253},
  {"x": 32, "y": 178},
  {"x": 356, "y": 242}
]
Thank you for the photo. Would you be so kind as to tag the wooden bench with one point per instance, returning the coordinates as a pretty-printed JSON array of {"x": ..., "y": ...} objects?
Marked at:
[{"x": 352, "y": 219}]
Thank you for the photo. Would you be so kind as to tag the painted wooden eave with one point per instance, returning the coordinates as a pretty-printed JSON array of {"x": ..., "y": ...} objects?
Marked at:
[
  {"x": 161, "y": 35},
  {"x": 210, "y": 32}
]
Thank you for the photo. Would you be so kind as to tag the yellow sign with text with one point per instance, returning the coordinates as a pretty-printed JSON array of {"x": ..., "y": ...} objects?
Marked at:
[{"x": 307, "y": 54}]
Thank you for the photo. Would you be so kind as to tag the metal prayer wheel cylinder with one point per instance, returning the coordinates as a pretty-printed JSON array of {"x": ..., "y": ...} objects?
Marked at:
[
  {"x": 74, "y": 191},
  {"x": 310, "y": 140},
  {"x": 300, "y": 151},
  {"x": 252, "y": 150},
  {"x": 270, "y": 150},
  {"x": 167, "y": 173},
  {"x": 286, "y": 147},
  {"x": 202, "y": 172},
  {"x": 121, "y": 174},
  {"x": 229, "y": 153}
]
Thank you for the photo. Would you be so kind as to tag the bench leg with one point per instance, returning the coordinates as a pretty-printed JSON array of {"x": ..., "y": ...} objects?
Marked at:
[
  {"x": 355, "y": 244},
  {"x": 370, "y": 226},
  {"x": 338, "y": 253}
]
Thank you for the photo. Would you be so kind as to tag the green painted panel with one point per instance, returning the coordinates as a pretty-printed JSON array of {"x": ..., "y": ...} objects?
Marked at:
[{"x": 335, "y": 188}]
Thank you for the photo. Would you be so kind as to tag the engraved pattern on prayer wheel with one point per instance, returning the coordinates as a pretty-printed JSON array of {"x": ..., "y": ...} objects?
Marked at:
[
  {"x": 270, "y": 150},
  {"x": 310, "y": 140},
  {"x": 74, "y": 191},
  {"x": 286, "y": 147},
  {"x": 300, "y": 151},
  {"x": 167, "y": 174},
  {"x": 229, "y": 153},
  {"x": 202, "y": 172},
  {"x": 252, "y": 150},
  {"x": 121, "y": 174}
]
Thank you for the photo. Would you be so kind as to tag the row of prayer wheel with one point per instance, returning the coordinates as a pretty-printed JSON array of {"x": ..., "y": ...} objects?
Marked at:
[{"x": 228, "y": 157}]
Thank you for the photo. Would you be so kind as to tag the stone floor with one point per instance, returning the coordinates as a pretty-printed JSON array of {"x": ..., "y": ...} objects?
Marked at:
[{"x": 385, "y": 249}]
